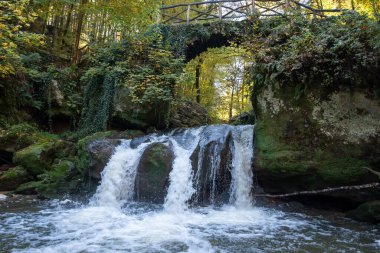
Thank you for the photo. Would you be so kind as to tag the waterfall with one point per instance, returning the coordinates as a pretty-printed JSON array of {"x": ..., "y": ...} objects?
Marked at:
[
  {"x": 211, "y": 165},
  {"x": 181, "y": 187},
  {"x": 242, "y": 174},
  {"x": 118, "y": 177}
]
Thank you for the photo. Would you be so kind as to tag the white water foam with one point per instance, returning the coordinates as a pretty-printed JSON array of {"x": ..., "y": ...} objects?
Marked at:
[
  {"x": 181, "y": 177},
  {"x": 118, "y": 177},
  {"x": 242, "y": 175}
]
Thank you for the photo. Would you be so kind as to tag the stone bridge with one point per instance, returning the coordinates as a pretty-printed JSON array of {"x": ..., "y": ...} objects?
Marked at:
[{"x": 198, "y": 26}]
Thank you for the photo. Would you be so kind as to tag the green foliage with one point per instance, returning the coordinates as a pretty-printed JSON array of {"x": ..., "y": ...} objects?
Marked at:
[
  {"x": 15, "y": 16},
  {"x": 340, "y": 50},
  {"x": 141, "y": 65}
]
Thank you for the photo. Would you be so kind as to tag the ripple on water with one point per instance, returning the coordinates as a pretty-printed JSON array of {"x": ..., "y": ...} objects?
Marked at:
[{"x": 145, "y": 228}]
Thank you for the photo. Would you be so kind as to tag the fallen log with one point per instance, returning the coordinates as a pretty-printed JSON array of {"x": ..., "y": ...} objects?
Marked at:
[
  {"x": 334, "y": 189},
  {"x": 373, "y": 171}
]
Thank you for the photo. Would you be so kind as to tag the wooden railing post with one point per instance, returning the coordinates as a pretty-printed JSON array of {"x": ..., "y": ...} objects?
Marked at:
[
  {"x": 220, "y": 11},
  {"x": 158, "y": 18},
  {"x": 253, "y": 7},
  {"x": 188, "y": 14}
]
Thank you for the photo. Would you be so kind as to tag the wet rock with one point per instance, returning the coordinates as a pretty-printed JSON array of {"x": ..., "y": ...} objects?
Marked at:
[
  {"x": 94, "y": 151},
  {"x": 13, "y": 177},
  {"x": 153, "y": 173},
  {"x": 368, "y": 212},
  {"x": 212, "y": 161},
  {"x": 100, "y": 151}
]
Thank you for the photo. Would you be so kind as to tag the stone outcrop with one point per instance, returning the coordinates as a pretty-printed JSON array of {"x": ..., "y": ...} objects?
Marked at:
[
  {"x": 189, "y": 114},
  {"x": 317, "y": 138}
]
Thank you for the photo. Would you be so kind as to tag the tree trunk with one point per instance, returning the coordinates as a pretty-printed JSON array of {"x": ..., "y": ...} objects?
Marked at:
[
  {"x": 76, "y": 50},
  {"x": 231, "y": 102},
  {"x": 197, "y": 80}
]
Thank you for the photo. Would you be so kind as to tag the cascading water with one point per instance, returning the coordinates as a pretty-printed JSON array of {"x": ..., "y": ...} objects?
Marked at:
[
  {"x": 223, "y": 152},
  {"x": 208, "y": 206}
]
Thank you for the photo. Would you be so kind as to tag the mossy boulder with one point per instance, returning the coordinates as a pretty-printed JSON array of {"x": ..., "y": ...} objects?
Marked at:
[
  {"x": 153, "y": 173},
  {"x": 315, "y": 138},
  {"x": 128, "y": 115},
  {"x": 13, "y": 177},
  {"x": 368, "y": 212},
  {"x": 20, "y": 136},
  {"x": 62, "y": 178},
  {"x": 34, "y": 158}
]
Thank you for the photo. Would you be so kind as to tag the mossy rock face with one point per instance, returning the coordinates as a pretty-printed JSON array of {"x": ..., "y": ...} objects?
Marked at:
[
  {"x": 21, "y": 136},
  {"x": 153, "y": 173},
  {"x": 34, "y": 158},
  {"x": 315, "y": 139},
  {"x": 62, "y": 178},
  {"x": 368, "y": 212},
  {"x": 127, "y": 115},
  {"x": 13, "y": 177}
]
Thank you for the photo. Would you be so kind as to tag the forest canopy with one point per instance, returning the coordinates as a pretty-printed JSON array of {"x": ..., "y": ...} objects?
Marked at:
[{"x": 66, "y": 60}]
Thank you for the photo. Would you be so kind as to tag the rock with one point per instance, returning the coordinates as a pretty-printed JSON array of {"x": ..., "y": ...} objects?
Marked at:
[
  {"x": 20, "y": 136},
  {"x": 189, "y": 114},
  {"x": 29, "y": 188},
  {"x": 100, "y": 151},
  {"x": 94, "y": 151},
  {"x": 13, "y": 177},
  {"x": 61, "y": 178},
  {"x": 34, "y": 158},
  {"x": 153, "y": 173},
  {"x": 126, "y": 115},
  {"x": 368, "y": 212},
  {"x": 324, "y": 138},
  {"x": 245, "y": 118},
  {"x": 213, "y": 153}
]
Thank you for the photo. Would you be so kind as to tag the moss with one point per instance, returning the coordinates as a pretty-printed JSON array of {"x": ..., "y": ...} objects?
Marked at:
[
  {"x": 369, "y": 212},
  {"x": 21, "y": 136},
  {"x": 152, "y": 173},
  {"x": 32, "y": 158},
  {"x": 61, "y": 179},
  {"x": 28, "y": 188},
  {"x": 292, "y": 153},
  {"x": 13, "y": 177}
]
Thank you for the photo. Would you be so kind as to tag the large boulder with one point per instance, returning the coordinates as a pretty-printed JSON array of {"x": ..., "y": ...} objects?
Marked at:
[
  {"x": 100, "y": 151},
  {"x": 13, "y": 177},
  {"x": 317, "y": 138},
  {"x": 129, "y": 115},
  {"x": 368, "y": 212},
  {"x": 21, "y": 136},
  {"x": 189, "y": 114},
  {"x": 34, "y": 158},
  {"x": 153, "y": 173}
]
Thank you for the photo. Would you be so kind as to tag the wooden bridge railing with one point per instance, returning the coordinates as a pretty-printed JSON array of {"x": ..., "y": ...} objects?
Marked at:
[{"x": 233, "y": 10}]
